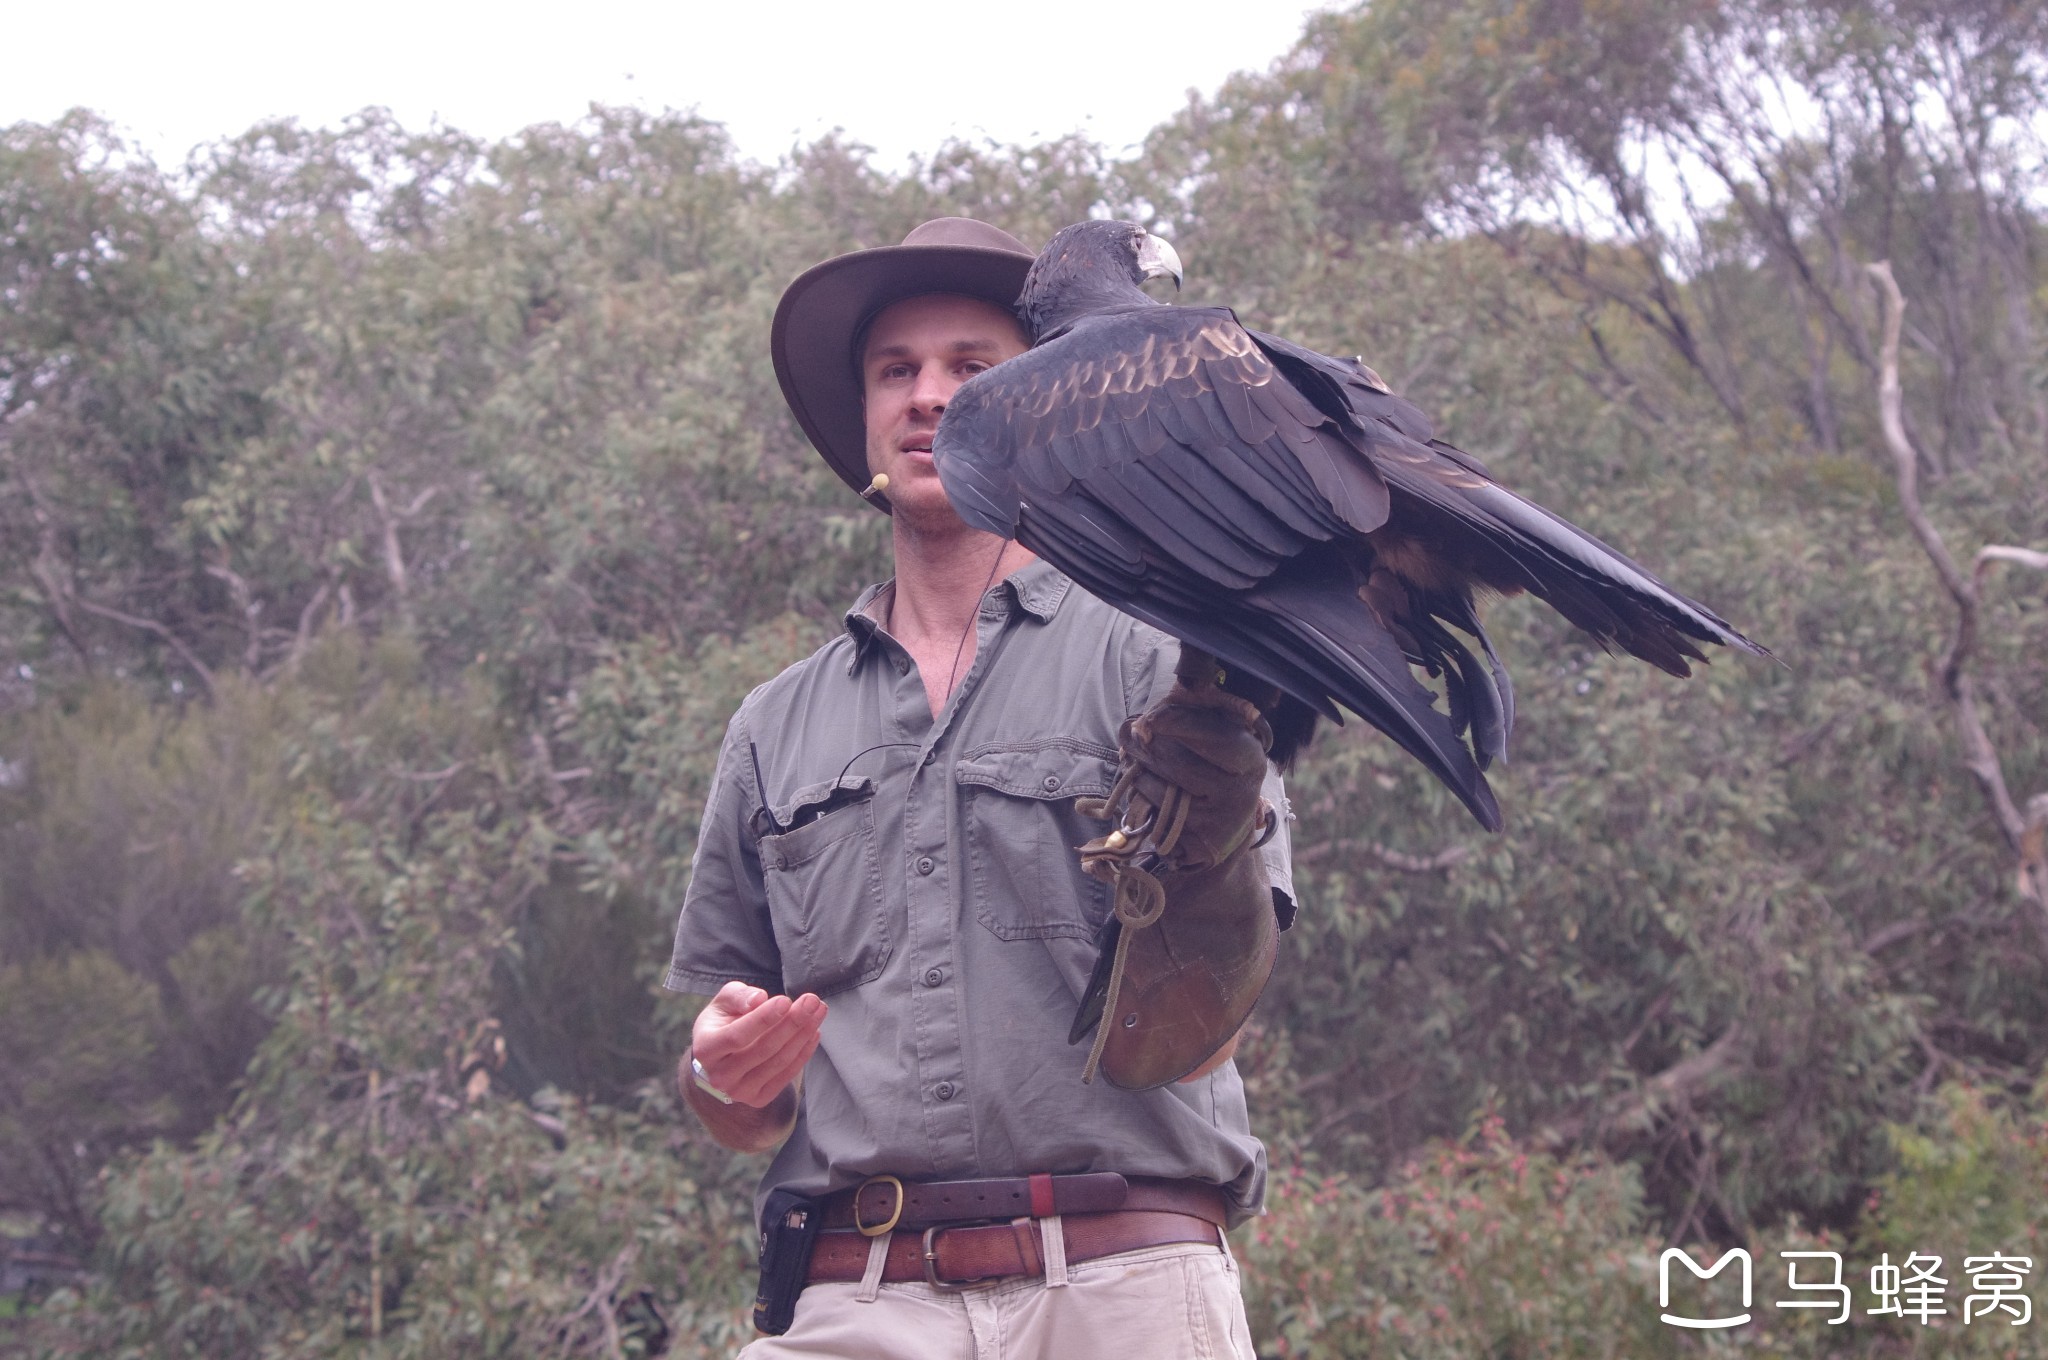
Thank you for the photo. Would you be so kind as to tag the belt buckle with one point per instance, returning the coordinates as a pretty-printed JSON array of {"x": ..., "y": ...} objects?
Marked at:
[
  {"x": 889, "y": 1226},
  {"x": 931, "y": 1261}
]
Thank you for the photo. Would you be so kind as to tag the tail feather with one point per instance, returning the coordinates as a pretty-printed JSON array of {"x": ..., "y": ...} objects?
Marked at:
[
  {"x": 1362, "y": 665},
  {"x": 1509, "y": 544}
]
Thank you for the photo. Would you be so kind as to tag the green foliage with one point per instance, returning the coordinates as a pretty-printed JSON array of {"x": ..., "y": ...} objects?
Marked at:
[
  {"x": 480, "y": 1236},
  {"x": 389, "y": 523},
  {"x": 1479, "y": 1247},
  {"x": 367, "y": 1183},
  {"x": 130, "y": 979},
  {"x": 1967, "y": 1181},
  {"x": 81, "y": 1031},
  {"x": 1972, "y": 1179}
]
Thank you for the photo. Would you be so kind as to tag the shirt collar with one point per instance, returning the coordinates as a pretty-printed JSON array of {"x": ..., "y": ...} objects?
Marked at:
[
  {"x": 864, "y": 620},
  {"x": 1038, "y": 589}
]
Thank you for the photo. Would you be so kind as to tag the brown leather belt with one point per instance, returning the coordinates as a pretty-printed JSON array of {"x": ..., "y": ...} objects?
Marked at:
[
  {"x": 884, "y": 1202},
  {"x": 940, "y": 1232},
  {"x": 956, "y": 1257}
]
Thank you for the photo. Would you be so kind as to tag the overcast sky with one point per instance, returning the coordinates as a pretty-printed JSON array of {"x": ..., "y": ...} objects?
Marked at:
[{"x": 175, "y": 73}]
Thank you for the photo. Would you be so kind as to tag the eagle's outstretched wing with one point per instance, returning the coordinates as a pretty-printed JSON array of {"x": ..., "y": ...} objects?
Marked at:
[{"x": 1283, "y": 510}]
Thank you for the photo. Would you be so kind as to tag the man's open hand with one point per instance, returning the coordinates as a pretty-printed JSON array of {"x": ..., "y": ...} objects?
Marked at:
[{"x": 753, "y": 1044}]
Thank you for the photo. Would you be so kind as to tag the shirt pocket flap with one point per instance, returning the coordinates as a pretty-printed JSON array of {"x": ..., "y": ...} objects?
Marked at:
[
  {"x": 809, "y": 823},
  {"x": 1060, "y": 767},
  {"x": 824, "y": 887},
  {"x": 1024, "y": 879}
]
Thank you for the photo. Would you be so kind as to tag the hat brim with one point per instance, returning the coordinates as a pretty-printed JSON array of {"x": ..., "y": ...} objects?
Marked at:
[{"x": 825, "y": 308}]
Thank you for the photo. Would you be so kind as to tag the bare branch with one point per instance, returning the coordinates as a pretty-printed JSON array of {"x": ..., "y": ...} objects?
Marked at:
[
  {"x": 433, "y": 776},
  {"x": 1894, "y": 932},
  {"x": 177, "y": 643},
  {"x": 1637, "y": 1111},
  {"x": 388, "y": 521},
  {"x": 46, "y": 569},
  {"x": 1980, "y": 757},
  {"x": 304, "y": 636},
  {"x": 2034, "y": 852},
  {"x": 1906, "y": 459},
  {"x": 1999, "y": 552},
  {"x": 394, "y": 555},
  {"x": 1677, "y": 1084},
  {"x": 1440, "y": 862},
  {"x": 601, "y": 1300},
  {"x": 251, "y": 607}
]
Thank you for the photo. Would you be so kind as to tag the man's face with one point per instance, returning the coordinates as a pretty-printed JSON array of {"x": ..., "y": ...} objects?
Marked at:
[{"x": 917, "y": 354}]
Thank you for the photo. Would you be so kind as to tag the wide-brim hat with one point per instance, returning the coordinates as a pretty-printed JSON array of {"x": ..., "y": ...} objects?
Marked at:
[{"x": 829, "y": 305}]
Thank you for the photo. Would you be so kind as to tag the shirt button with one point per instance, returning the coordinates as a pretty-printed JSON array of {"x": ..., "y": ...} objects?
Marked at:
[
  {"x": 934, "y": 976},
  {"x": 944, "y": 1090},
  {"x": 930, "y": 756},
  {"x": 926, "y": 864},
  {"x": 1052, "y": 781}
]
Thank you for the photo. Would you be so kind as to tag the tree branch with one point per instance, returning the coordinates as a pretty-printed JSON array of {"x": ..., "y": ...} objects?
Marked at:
[
  {"x": 45, "y": 568},
  {"x": 177, "y": 643},
  {"x": 1440, "y": 862},
  {"x": 388, "y": 521},
  {"x": 394, "y": 555},
  {"x": 246, "y": 601},
  {"x": 1980, "y": 757},
  {"x": 1679, "y": 1084}
]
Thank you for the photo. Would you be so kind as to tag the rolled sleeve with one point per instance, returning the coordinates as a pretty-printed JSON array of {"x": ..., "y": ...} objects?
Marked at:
[{"x": 724, "y": 931}]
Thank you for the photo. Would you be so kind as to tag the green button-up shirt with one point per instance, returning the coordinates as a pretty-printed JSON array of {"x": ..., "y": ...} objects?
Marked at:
[{"x": 919, "y": 874}]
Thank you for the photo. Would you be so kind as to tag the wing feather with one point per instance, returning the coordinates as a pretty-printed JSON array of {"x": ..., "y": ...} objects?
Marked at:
[{"x": 1286, "y": 512}]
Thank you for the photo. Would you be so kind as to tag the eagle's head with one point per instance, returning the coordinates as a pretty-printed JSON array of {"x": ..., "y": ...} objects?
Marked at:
[{"x": 1092, "y": 267}]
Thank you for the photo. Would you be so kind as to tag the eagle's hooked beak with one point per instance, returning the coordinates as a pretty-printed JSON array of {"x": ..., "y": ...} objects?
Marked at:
[{"x": 1156, "y": 259}]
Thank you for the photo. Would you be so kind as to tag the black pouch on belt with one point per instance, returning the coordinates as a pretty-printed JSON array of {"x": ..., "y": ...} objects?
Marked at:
[{"x": 789, "y": 1228}]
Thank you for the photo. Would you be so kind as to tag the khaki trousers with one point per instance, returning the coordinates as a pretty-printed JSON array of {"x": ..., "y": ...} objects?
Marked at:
[{"x": 1178, "y": 1302}]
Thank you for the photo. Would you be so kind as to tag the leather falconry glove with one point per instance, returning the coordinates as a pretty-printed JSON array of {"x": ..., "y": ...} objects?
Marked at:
[{"x": 1192, "y": 937}]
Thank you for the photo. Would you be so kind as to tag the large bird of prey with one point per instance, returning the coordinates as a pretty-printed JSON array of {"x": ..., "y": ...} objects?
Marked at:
[{"x": 1278, "y": 508}]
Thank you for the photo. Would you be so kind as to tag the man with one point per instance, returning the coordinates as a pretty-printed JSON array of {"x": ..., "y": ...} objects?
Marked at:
[{"x": 887, "y": 910}]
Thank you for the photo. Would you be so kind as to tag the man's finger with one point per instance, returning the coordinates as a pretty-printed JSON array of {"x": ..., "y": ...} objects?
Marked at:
[
  {"x": 729, "y": 1032},
  {"x": 746, "y": 1028},
  {"x": 782, "y": 1067},
  {"x": 737, "y": 998},
  {"x": 779, "y": 1055},
  {"x": 733, "y": 1050},
  {"x": 745, "y": 1044},
  {"x": 763, "y": 1082}
]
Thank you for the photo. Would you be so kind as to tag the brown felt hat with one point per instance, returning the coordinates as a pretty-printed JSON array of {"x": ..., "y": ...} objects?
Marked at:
[{"x": 829, "y": 305}]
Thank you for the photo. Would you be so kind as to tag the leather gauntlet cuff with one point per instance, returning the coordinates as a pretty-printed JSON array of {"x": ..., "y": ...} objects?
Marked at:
[{"x": 1193, "y": 935}]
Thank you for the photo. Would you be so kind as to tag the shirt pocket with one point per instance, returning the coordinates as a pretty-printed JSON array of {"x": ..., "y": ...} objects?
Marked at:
[
  {"x": 824, "y": 885},
  {"x": 1022, "y": 831}
]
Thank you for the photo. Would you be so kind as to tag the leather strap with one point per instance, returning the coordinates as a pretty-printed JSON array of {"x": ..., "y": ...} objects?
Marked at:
[
  {"x": 1043, "y": 1203},
  {"x": 932, "y": 1203},
  {"x": 994, "y": 1251}
]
